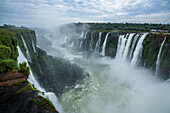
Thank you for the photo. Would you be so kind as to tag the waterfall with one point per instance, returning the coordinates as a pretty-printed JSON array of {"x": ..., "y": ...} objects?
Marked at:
[
  {"x": 72, "y": 44},
  {"x": 133, "y": 45},
  {"x": 85, "y": 35},
  {"x": 104, "y": 44},
  {"x": 158, "y": 57},
  {"x": 91, "y": 40},
  {"x": 97, "y": 47},
  {"x": 81, "y": 44},
  {"x": 65, "y": 40},
  {"x": 33, "y": 45},
  {"x": 50, "y": 95},
  {"x": 82, "y": 35},
  {"x": 27, "y": 52},
  {"x": 121, "y": 46},
  {"x": 128, "y": 45},
  {"x": 138, "y": 50}
]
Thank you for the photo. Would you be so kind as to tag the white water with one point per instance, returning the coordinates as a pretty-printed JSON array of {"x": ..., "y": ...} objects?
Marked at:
[
  {"x": 121, "y": 46},
  {"x": 50, "y": 95},
  {"x": 72, "y": 44},
  {"x": 80, "y": 44},
  {"x": 128, "y": 45},
  {"x": 97, "y": 47},
  {"x": 133, "y": 45},
  {"x": 85, "y": 36},
  {"x": 27, "y": 52},
  {"x": 138, "y": 50},
  {"x": 33, "y": 45},
  {"x": 65, "y": 40},
  {"x": 91, "y": 39},
  {"x": 82, "y": 35},
  {"x": 116, "y": 87},
  {"x": 104, "y": 44},
  {"x": 158, "y": 57}
]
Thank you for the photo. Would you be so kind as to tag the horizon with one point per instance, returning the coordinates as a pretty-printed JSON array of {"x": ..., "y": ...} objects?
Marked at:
[{"x": 51, "y": 13}]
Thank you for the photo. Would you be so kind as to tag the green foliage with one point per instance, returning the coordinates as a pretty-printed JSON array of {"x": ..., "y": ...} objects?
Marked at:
[
  {"x": 24, "y": 68},
  {"x": 20, "y": 82},
  {"x": 5, "y": 52},
  {"x": 7, "y": 65},
  {"x": 27, "y": 88},
  {"x": 8, "y": 44}
]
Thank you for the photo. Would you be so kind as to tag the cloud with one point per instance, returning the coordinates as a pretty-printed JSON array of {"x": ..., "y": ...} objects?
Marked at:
[{"x": 54, "y": 12}]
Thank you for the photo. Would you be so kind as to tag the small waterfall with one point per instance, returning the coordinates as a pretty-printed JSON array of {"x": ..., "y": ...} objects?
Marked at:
[
  {"x": 65, "y": 40},
  {"x": 27, "y": 52},
  {"x": 121, "y": 46},
  {"x": 72, "y": 44},
  {"x": 81, "y": 44},
  {"x": 104, "y": 44},
  {"x": 138, "y": 50},
  {"x": 133, "y": 45},
  {"x": 97, "y": 47},
  {"x": 158, "y": 57},
  {"x": 85, "y": 36},
  {"x": 128, "y": 45},
  {"x": 82, "y": 35},
  {"x": 33, "y": 45},
  {"x": 50, "y": 95},
  {"x": 91, "y": 39}
]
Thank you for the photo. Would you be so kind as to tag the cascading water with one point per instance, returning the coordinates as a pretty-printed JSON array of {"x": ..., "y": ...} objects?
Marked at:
[
  {"x": 85, "y": 36},
  {"x": 50, "y": 95},
  {"x": 133, "y": 45},
  {"x": 65, "y": 40},
  {"x": 128, "y": 45},
  {"x": 97, "y": 47},
  {"x": 33, "y": 45},
  {"x": 138, "y": 50},
  {"x": 104, "y": 44},
  {"x": 72, "y": 44},
  {"x": 82, "y": 35},
  {"x": 115, "y": 86},
  {"x": 158, "y": 57},
  {"x": 121, "y": 46},
  {"x": 80, "y": 44},
  {"x": 27, "y": 52},
  {"x": 91, "y": 39}
]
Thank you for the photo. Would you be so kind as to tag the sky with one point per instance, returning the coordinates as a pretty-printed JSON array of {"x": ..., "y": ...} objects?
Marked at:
[{"x": 49, "y": 13}]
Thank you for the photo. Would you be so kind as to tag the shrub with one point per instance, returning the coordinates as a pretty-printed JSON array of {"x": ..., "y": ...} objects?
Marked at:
[
  {"x": 5, "y": 52},
  {"x": 24, "y": 68},
  {"x": 7, "y": 65}
]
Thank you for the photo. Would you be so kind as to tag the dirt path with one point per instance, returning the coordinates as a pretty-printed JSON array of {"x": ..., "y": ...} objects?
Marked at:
[{"x": 10, "y": 78}]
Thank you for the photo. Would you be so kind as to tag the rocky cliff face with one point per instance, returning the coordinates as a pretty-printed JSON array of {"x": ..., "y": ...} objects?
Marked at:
[
  {"x": 17, "y": 95},
  {"x": 148, "y": 56},
  {"x": 54, "y": 74}
]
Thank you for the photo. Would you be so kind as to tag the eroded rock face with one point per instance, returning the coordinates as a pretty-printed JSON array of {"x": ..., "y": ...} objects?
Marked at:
[{"x": 17, "y": 95}]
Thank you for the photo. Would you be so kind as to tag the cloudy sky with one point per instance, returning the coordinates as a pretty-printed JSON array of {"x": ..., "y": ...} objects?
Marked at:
[{"x": 41, "y": 13}]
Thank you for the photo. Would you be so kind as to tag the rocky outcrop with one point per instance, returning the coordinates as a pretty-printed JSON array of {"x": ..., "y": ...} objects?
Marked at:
[
  {"x": 17, "y": 95},
  {"x": 54, "y": 74}
]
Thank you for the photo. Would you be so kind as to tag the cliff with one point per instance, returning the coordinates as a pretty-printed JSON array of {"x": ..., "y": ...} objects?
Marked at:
[
  {"x": 89, "y": 44},
  {"x": 17, "y": 95}
]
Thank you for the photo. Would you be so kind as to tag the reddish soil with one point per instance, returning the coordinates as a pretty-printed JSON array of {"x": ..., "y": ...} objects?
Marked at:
[{"x": 11, "y": 77}]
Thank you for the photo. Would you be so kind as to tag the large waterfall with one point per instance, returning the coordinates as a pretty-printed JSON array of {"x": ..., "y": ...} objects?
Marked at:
[
  {"x": 114, "y": 85},
  {"x": 158, "y": 57},
  {"x": 97, "y": 47},
  {"x": 27, "y": 52},
  {"x": 104, "y": 44},
  {"x": 138, "y": 50},
  {"x": 50, "y": 95}
]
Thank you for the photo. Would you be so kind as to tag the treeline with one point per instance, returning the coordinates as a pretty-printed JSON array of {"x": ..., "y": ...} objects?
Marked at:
[{"x": 146, "y": 27}]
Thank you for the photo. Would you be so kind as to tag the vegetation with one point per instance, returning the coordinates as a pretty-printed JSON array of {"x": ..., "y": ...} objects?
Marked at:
[
  {"x": 122, "y": 27},
  {"x": 24, "y": 68}
]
